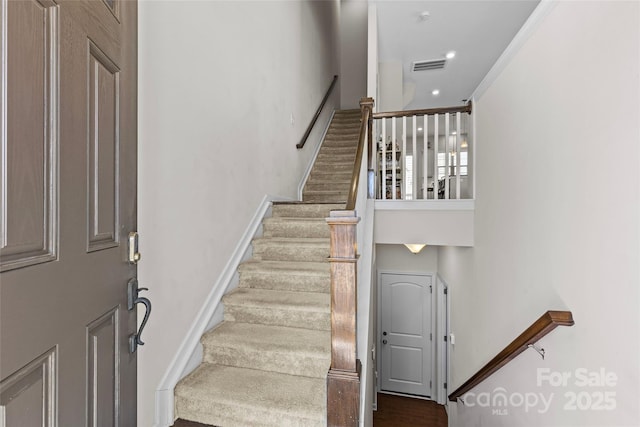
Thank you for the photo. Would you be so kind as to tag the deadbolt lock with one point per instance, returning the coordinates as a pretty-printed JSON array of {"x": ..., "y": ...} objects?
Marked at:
[{"x": 134, "y": 255}]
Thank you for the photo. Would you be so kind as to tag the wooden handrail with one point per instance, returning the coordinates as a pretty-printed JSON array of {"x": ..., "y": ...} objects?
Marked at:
[
  {"x": 427, "y": 112},
  {"x": 366, "y": 106},
  {"x": 318, "y": 111},
  {"x": 541, "y": 327}
]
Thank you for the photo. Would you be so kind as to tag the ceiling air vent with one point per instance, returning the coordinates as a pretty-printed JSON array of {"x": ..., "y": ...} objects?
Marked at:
[{"x": 432, "y": 64}]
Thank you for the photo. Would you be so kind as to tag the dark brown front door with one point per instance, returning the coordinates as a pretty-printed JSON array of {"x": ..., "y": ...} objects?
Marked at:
[{"x": 68, "y": 203}]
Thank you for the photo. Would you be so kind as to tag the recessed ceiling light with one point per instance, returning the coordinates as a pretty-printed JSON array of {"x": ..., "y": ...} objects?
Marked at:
[
  {"x": 435, "y": 92},
  {"x": 451, "y": 54},
  {"x": 454, "y": 133},
  {"x": 424, "y": 15},
  {"x": 419, "y": 129}
]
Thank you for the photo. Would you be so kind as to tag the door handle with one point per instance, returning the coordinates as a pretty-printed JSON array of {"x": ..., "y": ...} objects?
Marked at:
[{"x": 133, "y": 299}]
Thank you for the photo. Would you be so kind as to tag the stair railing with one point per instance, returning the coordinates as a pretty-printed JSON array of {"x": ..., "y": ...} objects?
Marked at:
[
  {"x": 343, "y": 378},
  {"x": 366, "y": 107},
  {"x": 443, "y": 174},
  {"x": 541, "y": 327},
  {"x": 303, "y": 140}
]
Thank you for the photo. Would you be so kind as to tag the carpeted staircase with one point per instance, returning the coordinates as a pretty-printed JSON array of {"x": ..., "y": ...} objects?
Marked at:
[{"x": 266, "y": 364}]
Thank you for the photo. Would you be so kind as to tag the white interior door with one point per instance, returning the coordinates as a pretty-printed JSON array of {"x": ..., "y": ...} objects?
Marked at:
[{"x": 405, "y": 313}]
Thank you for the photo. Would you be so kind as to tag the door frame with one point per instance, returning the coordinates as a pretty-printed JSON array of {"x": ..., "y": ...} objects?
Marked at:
[
  {"x": 378, "y": 342},
  {"x": 443, "y": 357}
]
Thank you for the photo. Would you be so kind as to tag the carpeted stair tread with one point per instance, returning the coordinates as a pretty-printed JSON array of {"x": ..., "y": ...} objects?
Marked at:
[
  {"x": 337, "y": 185},
  {"x": 338, "y": 150},
  {"x": 292, "y": 351},
  {"x": 237, "y": 397},
  {"x": 334, "y": 166},
  {"x": 336, "y": 158},
  {"x": 291, "y": 248},
  {"x": 317, "y": 195},
  {"x": 309, "y": 310},
  {"x": 328, "y": 175},
  {"x": 286, "y": 275},
  {"x": 305, "y": 209},
  {"x": 295, "y": 227}
]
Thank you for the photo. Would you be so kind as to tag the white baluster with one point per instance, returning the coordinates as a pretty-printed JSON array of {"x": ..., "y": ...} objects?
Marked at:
[
  {"x": 436, "y": 139},
  {"x": 383, "y": 179},
  {"x": 458, "y": 158},
  {"x": 446, "y": 156},
  {"x": 403, "y": 185},
  {"x": 414, "y": 169},
  {"x": 393, "y": 158},
  {"x": 425, "y": 140}
]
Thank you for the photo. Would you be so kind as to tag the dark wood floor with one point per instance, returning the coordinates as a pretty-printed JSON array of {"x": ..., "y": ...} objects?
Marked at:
[
  {"x": 393, "y": 411},
  {"x": 399, "y": 411}
]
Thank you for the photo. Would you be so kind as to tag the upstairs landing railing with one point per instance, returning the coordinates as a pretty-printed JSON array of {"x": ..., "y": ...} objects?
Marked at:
[{"x": 423, "y": 154}]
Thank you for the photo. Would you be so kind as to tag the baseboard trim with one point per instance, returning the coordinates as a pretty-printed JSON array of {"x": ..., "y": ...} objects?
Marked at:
[
  {"x": 187, "y": 353},
  {"x": 307, "y": 172}
]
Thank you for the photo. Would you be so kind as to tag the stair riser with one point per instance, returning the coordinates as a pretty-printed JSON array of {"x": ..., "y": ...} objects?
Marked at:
[
  {"x": 290, "y": 363},
  {"x": 296, "y": 229},
  {"x": 304, "y": 211},
  {"x": 290, "y": 252},
  {"x": 279, "y": 316},
  {"x": 285, "y": 282}
]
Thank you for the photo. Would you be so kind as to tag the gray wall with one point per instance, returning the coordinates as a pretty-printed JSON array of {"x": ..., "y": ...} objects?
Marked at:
[{"x": 353, "y": 52}]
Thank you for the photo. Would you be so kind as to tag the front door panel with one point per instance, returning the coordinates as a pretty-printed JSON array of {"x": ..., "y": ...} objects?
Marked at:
[{"x": 68, "y": 203}]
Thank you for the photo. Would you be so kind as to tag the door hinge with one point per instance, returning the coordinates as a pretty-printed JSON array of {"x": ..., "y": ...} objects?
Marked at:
[
  {"x": 430, "y": 386},
  {"x": 446, "y": 291},
  {"x": 430, "y": 336},
  {"x": 430, "y": 289},
  {"x": 445, "y": 386},
  {"x": 445, "y": 338}
]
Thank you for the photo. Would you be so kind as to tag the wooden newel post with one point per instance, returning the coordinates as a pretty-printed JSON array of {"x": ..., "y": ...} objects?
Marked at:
[{"x": 343, "y": 379}]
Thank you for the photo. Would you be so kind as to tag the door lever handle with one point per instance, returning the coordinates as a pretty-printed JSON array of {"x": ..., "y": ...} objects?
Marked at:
[{"x": 133, "y": 299}]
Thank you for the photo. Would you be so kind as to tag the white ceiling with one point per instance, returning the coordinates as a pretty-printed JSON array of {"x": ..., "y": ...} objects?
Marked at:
[{"x": 477, "y": 30}]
